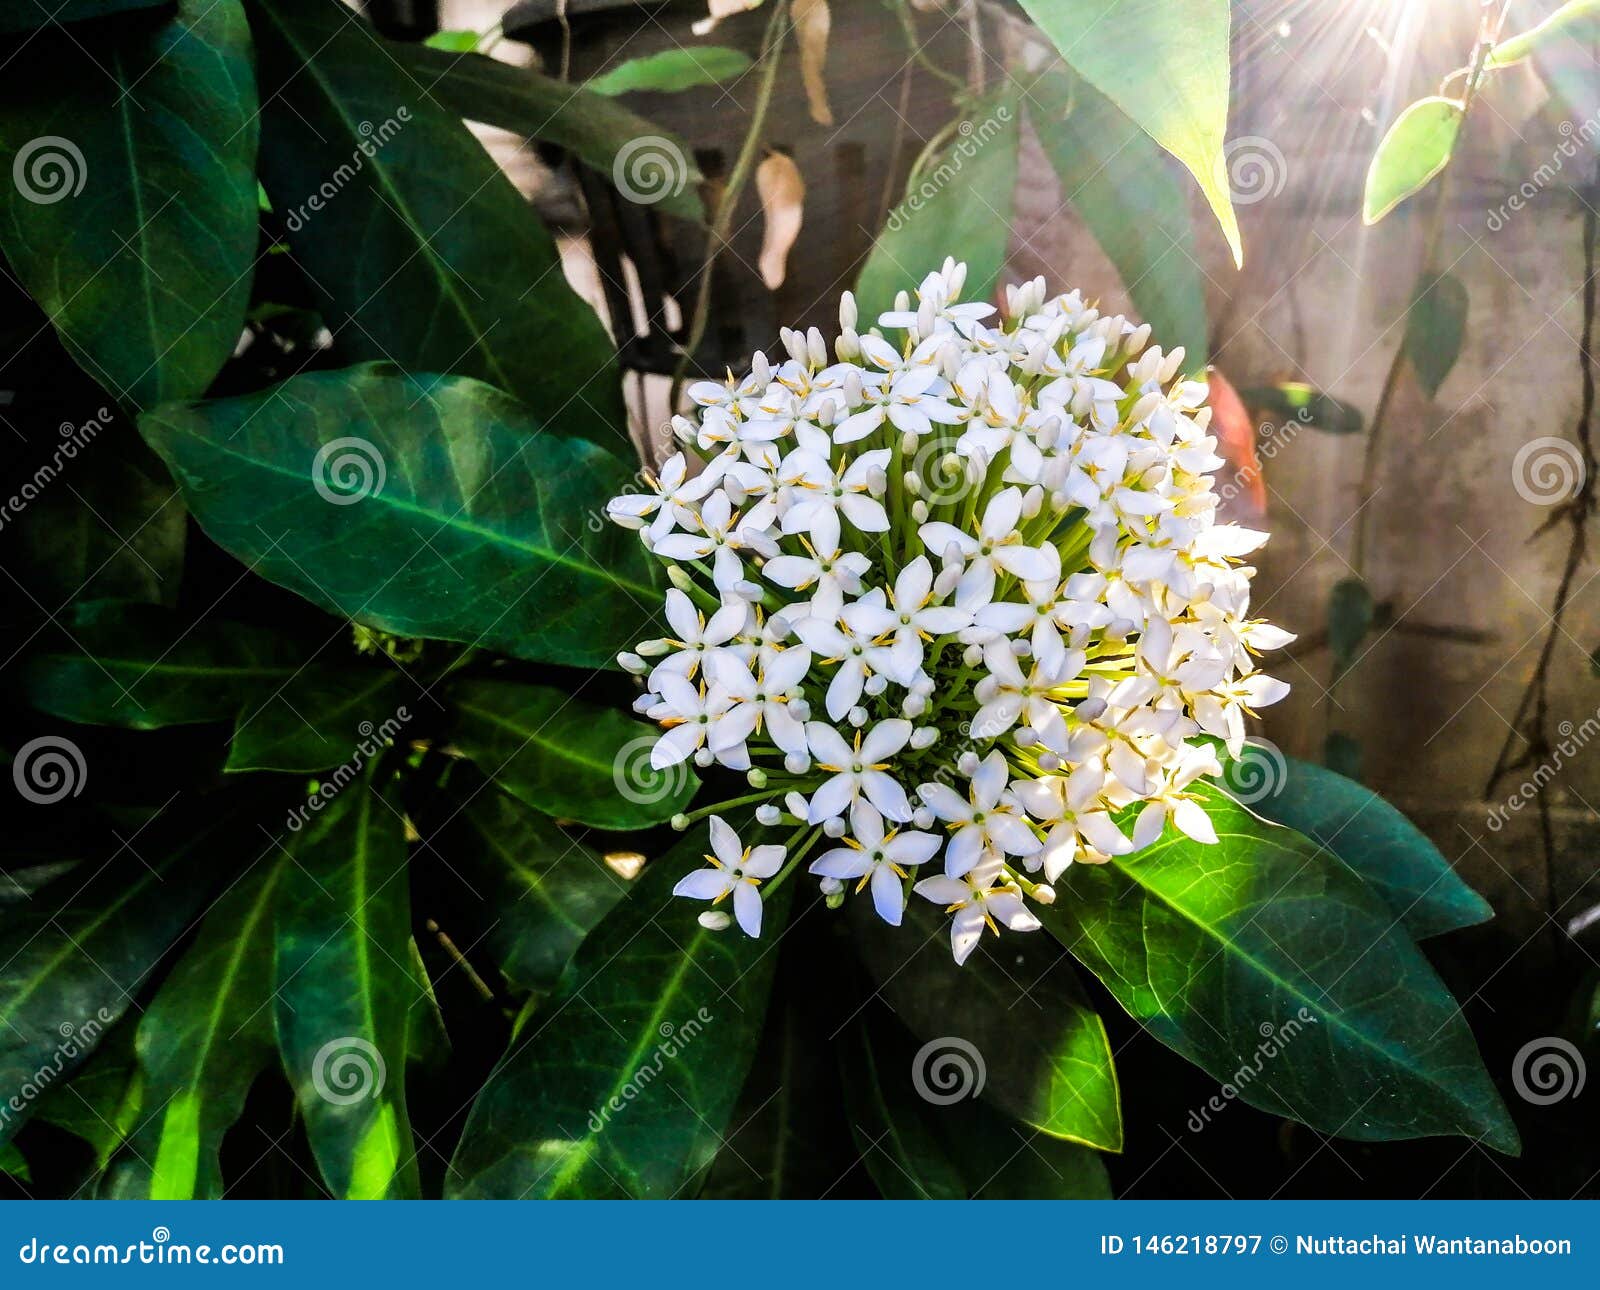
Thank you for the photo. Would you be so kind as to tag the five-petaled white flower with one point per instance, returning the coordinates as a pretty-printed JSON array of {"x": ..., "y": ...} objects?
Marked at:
[
  {"x": 878, "y": 858},
  {"x": 737, "y": 871}
]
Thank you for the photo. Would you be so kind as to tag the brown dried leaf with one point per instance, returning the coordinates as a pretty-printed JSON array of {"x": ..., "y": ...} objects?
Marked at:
[
  {"x": 812, "y": 22},
  {"x": 783, "y": 195}
]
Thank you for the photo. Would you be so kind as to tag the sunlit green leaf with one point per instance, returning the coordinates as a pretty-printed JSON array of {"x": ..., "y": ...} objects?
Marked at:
[
  {"x": 671, "y": 70},
  {"x": 1575, "y": 18},
  {"x": 1166, "y": 66},
  {"x": 1416, "y": 148}
]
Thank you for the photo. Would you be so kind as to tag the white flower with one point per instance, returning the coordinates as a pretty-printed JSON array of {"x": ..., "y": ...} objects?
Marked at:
[
  {"x": 858, "y": 770},
  {"x": 977, "y": 902},
  {"x": 986, "y": 550},
  {"x": 986, "y": 822},
  {"x": 737, "y": 871},
  {"x": 878, "y": 858}
]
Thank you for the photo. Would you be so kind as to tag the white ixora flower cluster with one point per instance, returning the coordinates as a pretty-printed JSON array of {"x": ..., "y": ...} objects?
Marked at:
[{"x": 957, "y": 594}]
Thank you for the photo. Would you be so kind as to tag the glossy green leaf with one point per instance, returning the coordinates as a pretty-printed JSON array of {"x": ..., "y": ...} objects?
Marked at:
[
  {"x": 887, "y": 1117},
  {"x": 135, "y": 227},
  {"x": 623, "y": 1084},
  {"x": 1577, "y": 18},
  {"x": 1435, "y": 326},
  {"x": 589, "y": 125},
  {"x": 345, "y": 992},
  {"x": 423, "y": 251},
  {"x": 1296, "y": 401},
  {"x": 422, "y": 505},
  {"x": 74, "y": 956},
  {"x": 1416, "y": 148},
  {"x": 1391, "y": 855},
  {"x": 454, "y": 42},
  {"x": 569, "y": 758},
  {"x": 320, "y": 717},
  {"x": 144, "y": 667},
  {"x": 1013, "y": 1019},
  {"x": 101, "y": 1102},
  {"x": 1164, "y": 65},
  {"x": 1108, "y": 167},
  {"x": 1269, "y": 964},
  {"x": 31, "y": 15},
  {"x": 960, "y": 204},
  {"x": 204, "y": 1038},
  {"x": 671, "y": 70},
  {"x": 1350, "y": 614},
  {"x": 546, "y": 890}
]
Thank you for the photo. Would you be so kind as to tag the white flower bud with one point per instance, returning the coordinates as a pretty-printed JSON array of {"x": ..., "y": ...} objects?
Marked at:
[
  {"x": 967, "y": 763},
  {"x": 1025, "y": 737},
  {"x": 768, "y": 814},
  {"x": 923, "y": 686},
  {"x": 1172, "y": 365},
  {"x": 748, "y": 590},
  {"x": 632, "y": 663},
  {"x": 1043, "y": 893},
  {"x": 972, "y": 656},
  {"x": 1049, "y": 761},
  {"x": 945, "y": 583},
  {"x": 919, "y": 511},
  {"x": 875, "y": 684},
  {"x": 847, "y": 312},
  {"x": 953, "y": 557},
  {"x": 760, "y": 370},
  {"x": 923, "y": 818},
  {"x": 715, "y": 920},
  {"x": 852, "y": 389},
  {"x": 902, "y": 302},
  {"x": 816, "y": 348},
  {"x": 857, "y": 716},
  {"x": 703, "y": 757},
  {"x": 1032, "y": 502},
  {"x": 680, "y": 821},
  {"x": 795, "y": 804},
  {"x": 1021, "y": 647},
  {"x": 831, "y": 887},
  {"x": 913, "y": 706},
  {"x": 1090, "y": 710},
  {"x": 847, "y": 348},
  {"x": 796, "y": 763},
  {"x": 834, "y": 828},
  {"x": 756, "y": 777},
  {"x": 908, "y": 443},
  {"x": 877, "y": 481},
  {"x": 924, "y": 737}
]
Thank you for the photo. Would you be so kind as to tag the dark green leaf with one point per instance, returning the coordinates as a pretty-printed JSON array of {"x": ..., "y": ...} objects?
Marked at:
[
  {"x": 345, "y": 992},
  {"x": 318, "y": 718},
  {"x": 1391, "y": 855},
  {"x": 546, "y": 890},
  {"x": 425, "y": 252},
  {"x": 623, "y": 1085},
  {"x": 588, "y": 125},
  {"x": 30, "y": 15},
  {"x": 100, "y": 1104},
  {"x": 1297, "y": 401},
  {"x": 1577, "y": 18},
  {"x": 960, "y": 204},
  {"x": 1109, "y": 167},
  {"x": 1416, "y": 148},
  {"x": 13, "y": 1162},
  {"x": 422, "y": 505},
  {"x": 567, "y": 757},
  {"x": 1003, "y": 1160},
  {"x": 1166, "y": 66},
  {"x": 74, "y": 955},
  {"x": 135, "y": 230},
  {"x": 1434, "y": 328},
  {"x": 1011, "y": 1023},
  {"x": 143, "y": 667},
  {"x": 1350, "y": 612},
  {"x": 897, "y": 1145},
  {"x": 203, "y": 1040},
  {"x": 671, "y": 70},
  {"x": 1269, "y": 964}
]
